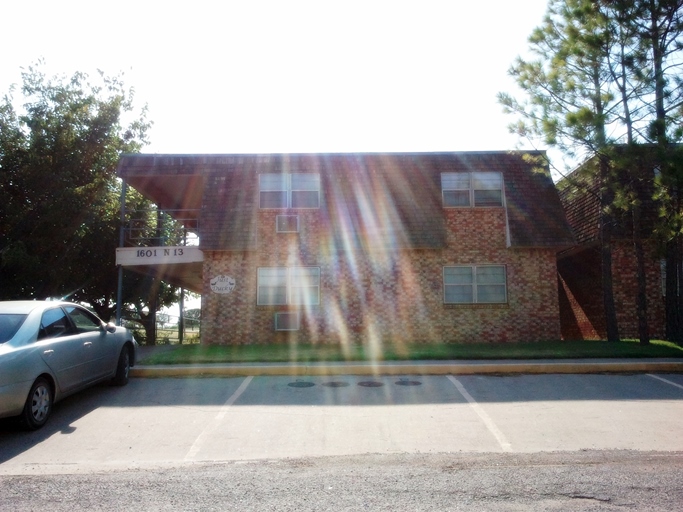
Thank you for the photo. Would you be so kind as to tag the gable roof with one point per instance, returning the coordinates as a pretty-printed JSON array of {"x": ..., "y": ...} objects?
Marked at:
[
  {"x": 391, "y": 199},
  {"x": 582, "y": 207},
  {"x": 580, "y": 194}
]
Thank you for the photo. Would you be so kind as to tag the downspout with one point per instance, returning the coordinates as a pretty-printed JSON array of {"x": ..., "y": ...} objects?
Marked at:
[{"x": 119, "y": 289}]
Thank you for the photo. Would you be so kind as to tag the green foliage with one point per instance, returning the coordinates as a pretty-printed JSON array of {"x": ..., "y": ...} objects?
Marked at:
[
  {"x": 192, "y": 318},
  {"x": 58, "y": 156},
  {"x": 607, "y": 77},
  {"x": 567, "y": 104},
  {"x": 603, "y": 72},
  {"x": 59, "y": 194}
]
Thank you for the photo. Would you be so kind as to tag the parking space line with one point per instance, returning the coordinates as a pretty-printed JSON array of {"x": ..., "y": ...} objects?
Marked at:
[
  {"x": 502, "y": 441},
  {"x": 664, "y": 380},
  {"x": 213, "y": 426}
]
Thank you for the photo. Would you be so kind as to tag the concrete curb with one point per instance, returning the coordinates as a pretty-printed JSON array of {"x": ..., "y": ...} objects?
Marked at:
[{"x": 411, "y": 368}]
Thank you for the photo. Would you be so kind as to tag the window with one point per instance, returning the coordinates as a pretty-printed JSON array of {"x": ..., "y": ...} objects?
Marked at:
[
  {"x": 485, "y": 284},
  {"x": 273, "y": 191},
  {"x": 289, "y": 190},
  {"x": 662, "y": 268},
  {"x": 288, "y": 286},
  {"x": 460, "y": 189},
  {"x": 83, "y": 320},
  {"x": 9, "y": 325},
  {"x": 455, "y": 188},
  {"x": 272, "y": 286},
  {"x": 54, "y": 324}
]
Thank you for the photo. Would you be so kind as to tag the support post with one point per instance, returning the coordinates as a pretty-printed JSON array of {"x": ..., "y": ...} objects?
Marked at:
[
  {"x": 181, "y": 318},
  {"x": 119, "y": 289}
]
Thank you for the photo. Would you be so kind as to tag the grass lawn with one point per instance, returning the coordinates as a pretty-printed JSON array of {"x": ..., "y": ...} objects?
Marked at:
[{"x": 198, "y": 354}]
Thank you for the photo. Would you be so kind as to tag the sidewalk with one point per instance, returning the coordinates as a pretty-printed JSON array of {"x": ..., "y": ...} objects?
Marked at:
[{"x": 460, "y": 367}]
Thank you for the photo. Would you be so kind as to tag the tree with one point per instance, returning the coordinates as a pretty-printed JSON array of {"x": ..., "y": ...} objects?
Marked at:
[
  {"x": 608, "y": 73},
  {"x": 57, "y": 174},
  {"x": 660, "y": 24},
  {"x": 59, "y": 194},
  {"x": 147, "y": 226},
  {"x": 193, "y": 318},
  {"x": 570, "y": 105}
]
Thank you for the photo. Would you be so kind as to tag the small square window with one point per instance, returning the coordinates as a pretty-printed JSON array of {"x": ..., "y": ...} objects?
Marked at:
[
  {"x": 305, "y": 191},
  {"x": 289, "y": 190},
  {"x": 288, "y": 285},
  {"x": 487, "y": 188},
  {"x": 455, "y": 188},
  {"x": 273, "y": 190},
  {"x": 464, "y": 189},
  {"x": 272, "y": 286}
]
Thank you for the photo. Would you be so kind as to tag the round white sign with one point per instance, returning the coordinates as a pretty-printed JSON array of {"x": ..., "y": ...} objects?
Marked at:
[{"x": 222, "y": 284}]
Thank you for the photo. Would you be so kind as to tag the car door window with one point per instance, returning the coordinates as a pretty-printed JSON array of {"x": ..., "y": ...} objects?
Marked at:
[
  {"x": 54, "y": 324},
  {"x": 83, "y": 320}
]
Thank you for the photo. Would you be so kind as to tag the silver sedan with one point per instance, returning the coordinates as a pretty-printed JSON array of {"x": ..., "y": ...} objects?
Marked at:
[{"x": 49, "y": 350}]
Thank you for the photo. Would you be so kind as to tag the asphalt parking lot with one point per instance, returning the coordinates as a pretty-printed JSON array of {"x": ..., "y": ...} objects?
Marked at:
[{"x": 169, "y": 422}]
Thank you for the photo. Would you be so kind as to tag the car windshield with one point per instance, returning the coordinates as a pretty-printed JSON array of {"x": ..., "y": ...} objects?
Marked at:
[{"x": 9, "y": 325}]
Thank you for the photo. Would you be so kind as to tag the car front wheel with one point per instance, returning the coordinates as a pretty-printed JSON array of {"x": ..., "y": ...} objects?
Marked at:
[
  {"x": 38, "y": 404},
  {"x": 122, "y": 368}
]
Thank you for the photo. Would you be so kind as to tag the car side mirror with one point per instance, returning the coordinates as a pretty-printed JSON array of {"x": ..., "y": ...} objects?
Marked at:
[{"x": 110, "y": 327}]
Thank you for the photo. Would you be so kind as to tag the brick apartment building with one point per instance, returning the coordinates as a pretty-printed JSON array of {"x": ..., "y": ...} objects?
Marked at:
[
  {"x": 580, "y": 268},
  {"x": 364, "y": 248}
]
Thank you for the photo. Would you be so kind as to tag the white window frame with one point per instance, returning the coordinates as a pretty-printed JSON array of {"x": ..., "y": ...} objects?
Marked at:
[
  {"x": 474, "y": 285},
  {"x": 288, "y": 182},
  {"x": 472, "y": 189},
  {"x": 288, "y": 280}
]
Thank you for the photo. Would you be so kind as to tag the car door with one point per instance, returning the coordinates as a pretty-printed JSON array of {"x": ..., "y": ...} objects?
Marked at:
[
  {"x": 62, "y": 349},
  {"x": 100, "y": 350}
]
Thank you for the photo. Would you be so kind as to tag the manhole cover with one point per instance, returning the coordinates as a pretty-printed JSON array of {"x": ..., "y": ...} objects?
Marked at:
[
  {"x": 335, "y": 384},
  {"x": 301, "y": 384},
  {"x": 406, "y": 382},
  {"x": 370, "y": 384}
]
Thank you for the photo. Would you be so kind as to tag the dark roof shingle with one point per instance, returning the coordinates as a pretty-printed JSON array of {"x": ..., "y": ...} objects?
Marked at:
[{"x": 391, "y": 200}]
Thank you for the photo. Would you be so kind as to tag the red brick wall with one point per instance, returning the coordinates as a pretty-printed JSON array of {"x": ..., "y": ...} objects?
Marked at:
[
  {"x": 582, "y": 315},
  {"x": 575, "y": 323},
  {"x": 582, "y": 312},
  {"x": 385, "y": 296},
  {"x": 625, "y": 290}
]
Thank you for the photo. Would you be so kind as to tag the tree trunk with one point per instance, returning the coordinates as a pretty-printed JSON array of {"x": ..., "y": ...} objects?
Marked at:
[
  {"x": 606, "y": 227},
  {"x": 149, "y": 323},
  {"x": 674, "y": 276},
  {"x": 671, "y": 304},
  {"x": 658, "y": 41},
  {"x": 181, "y": 317},
  {"x": 641, "y": 296},
  {"x": 679, "y": 286}
]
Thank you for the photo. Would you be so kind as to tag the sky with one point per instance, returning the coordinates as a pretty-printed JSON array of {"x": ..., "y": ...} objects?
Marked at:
[
  {"x": 291, "y": 76},
  {"x": 256, "y": 76}
]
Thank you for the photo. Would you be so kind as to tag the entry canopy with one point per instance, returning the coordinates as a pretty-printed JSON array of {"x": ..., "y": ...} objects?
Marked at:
[
  {"x": 175, "y": 184},
  {"x": 180, "y": 266},
  {"x": 172, "y": 182}
]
